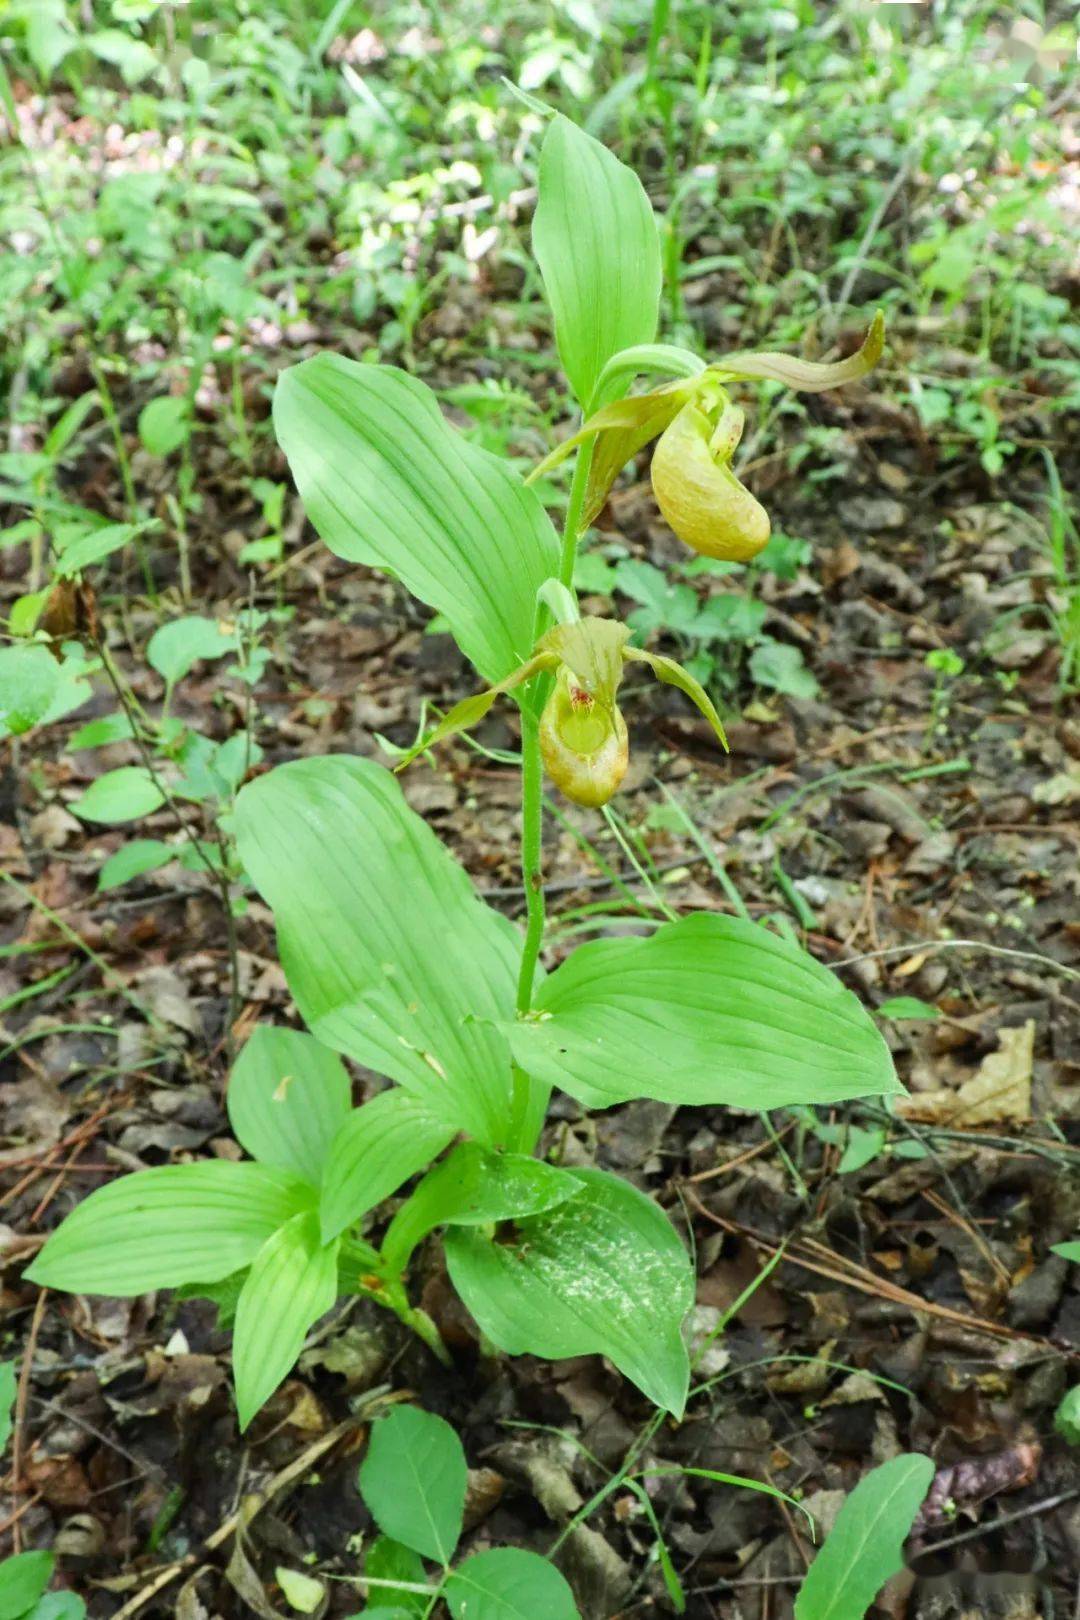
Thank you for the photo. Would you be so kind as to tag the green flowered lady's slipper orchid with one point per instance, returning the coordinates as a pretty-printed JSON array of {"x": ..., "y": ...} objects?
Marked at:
[
  {"x": 714, "y": 503},
  {"x": 582, "y": 733}
]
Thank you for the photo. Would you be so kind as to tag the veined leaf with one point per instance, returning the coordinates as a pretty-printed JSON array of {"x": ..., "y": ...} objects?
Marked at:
[
  {"x": 472, "y": 1187},
  {"x": 160, "y": 1228},
  {"x": 708, "y": 1009},
  {"x": 22, "y": 1581},
  {"x": 386, "y": 481},
  {"x": 390, "y": 1560},
  {"x": 509, "y": 1583},
  {"x": 387, "y": 948},
  {"x": 864, "y": 1548},
  {"x": 121, "y": 795},
  {"x": 7, "y": 1401},
  {"x": 292, "y": 1282},
  {"x": 288, "y": 1097},
  {"x": 604, "y": 1274},
  {"x": 29, "y": 678},
  {"x": 413, "y": 1480},
  {"x": 595, "y": 240},
  {"x": 380, "y": 1145}
]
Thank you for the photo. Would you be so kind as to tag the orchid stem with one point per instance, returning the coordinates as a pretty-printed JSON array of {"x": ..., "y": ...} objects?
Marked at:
[{"x": 574, "y": 506}]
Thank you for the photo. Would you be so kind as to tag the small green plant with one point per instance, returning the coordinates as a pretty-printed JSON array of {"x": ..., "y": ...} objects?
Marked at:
[
  {"x": 392, "y": 958},
  {"x": 24, "y": 1577},
  {"x": 863, "y": 1549},
  {"x": 413, "y": 1481},
  {"x": 946, "y": 666}
]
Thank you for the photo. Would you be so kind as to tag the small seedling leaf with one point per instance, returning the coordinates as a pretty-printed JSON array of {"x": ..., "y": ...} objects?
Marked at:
[
  {"x": 413, "y": 1480},
  {"x": 118, "y": 796}
]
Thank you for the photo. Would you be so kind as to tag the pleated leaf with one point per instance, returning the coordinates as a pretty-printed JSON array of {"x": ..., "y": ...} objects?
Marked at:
[
  {"x": 291, "y": 1284},
  {"x": 707, "y": 1010},
  {"x": 595, "y": 240},
  {"x": 387, "y": 948},
  {"x": 386, "y": 481},
  {"x": 160, "y": 1228},
  {"x": 605, "y": 1274},
  {"x": 380, "y": 1145},
  {"x": 288, "y": 1097}
]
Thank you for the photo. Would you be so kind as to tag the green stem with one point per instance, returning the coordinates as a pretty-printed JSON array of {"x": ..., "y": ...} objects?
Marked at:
[
  {"x": 531, "y": 856},
  {"x": 574, "y": 505}
]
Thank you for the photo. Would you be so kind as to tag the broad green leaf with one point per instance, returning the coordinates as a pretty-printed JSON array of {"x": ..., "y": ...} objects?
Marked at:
[
  {"x": 379, "y": 1146},
  {"x": 908, "y": 1007},
  {"x": 58, "y": 1606},
  {"x": 133, "y": 860},
  {"x": 292, "y": 1282},
  {"x": 94, "y": 545},
  {"x": 386, "y": 481},
  {"x": 164, "y": 424},
  {"x": 288, "y": 1097},
  {"x": 22, "y": 1581},
  {"x": 604, "y": 1274},
  {"x": 708, "y": 1009},
  {"x": 781, "y": 668},
  {"x": 388, "y": 950},
  {"x": 388, "y": 1560},
  {"x": 1067, "y": 1417},
  {"x": 472, "y": 1187},
  {"x": 413, "y": 1481},
  {"x": 131, "y": 56},
  {"x": 862, "y": 1147},
  {"x": 301, "y": 1592},
  {"x": 1069, "y": 1251},
  {"x": 160, "y": 1228},
  {"x": 96, "y": 733},
  {"x": 29, "y": 678},
  {"x": 177, "y": 647},
  {"x": 508, "y": 1583},
  {"x": 121, "y": 795},
  {"x": 864, "y": 1548},
  {"x": 8, "y": 1383},
  {"x": 595, "y": 240}
]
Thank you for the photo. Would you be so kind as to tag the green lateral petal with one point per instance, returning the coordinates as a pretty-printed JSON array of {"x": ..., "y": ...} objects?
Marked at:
[
  {"x": 673, "y": 674},
  {"x": 808, "y": 376},
  {"x": 471, "y": 710}
]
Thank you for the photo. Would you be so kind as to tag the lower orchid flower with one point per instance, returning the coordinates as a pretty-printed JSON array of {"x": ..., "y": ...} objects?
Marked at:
[{"x": 583, "y": 736}]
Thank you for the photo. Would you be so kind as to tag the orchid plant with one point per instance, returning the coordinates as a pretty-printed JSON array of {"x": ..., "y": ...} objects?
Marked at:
[{"x": 392, "y": 958}]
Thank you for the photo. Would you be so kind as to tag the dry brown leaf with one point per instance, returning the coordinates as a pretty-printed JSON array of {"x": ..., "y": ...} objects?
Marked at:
[{"x": 999, "y": 1092}]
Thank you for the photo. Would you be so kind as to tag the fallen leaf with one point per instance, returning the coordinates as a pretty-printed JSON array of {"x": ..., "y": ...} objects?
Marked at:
[{"x": 998, "y": 1092}]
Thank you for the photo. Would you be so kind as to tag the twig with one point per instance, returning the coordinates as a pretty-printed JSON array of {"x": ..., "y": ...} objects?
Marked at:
[
  {"x": 298, "y": 1466},
  {"x": 1004, "y": 1519},
  {"x": 959, "y": 945},
  {"x": 20, "y": 1409}
]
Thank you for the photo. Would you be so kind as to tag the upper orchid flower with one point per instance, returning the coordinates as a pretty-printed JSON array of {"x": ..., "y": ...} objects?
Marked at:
[
  {"x": 699, "y": 430},
  {"x": 582, "y": 733}
]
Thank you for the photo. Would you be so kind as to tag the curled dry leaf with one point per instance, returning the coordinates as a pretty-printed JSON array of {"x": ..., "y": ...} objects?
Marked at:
[{"x": 999, "y": 1092}]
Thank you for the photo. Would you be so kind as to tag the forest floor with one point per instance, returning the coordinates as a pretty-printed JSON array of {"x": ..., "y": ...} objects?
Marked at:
[{"x": 916, "y": 825}]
